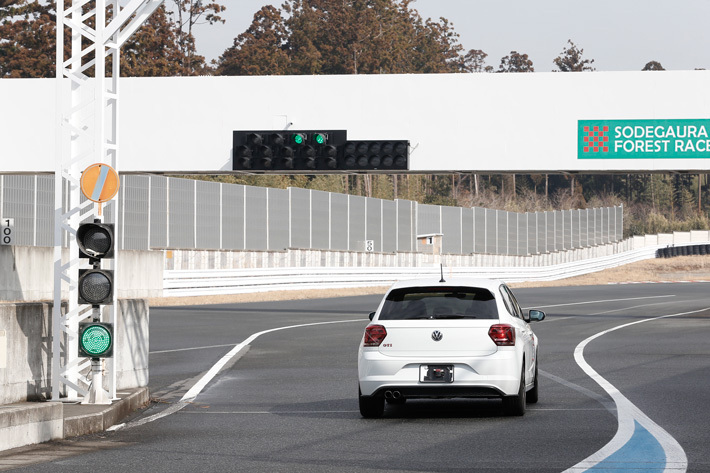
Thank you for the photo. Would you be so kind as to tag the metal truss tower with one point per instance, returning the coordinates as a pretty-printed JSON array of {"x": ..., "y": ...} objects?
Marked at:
[{"x": 87, "y": 133}]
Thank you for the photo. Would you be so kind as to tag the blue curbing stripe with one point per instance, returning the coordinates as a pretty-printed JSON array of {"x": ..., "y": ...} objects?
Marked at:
[{"x": 641, "y": 453}]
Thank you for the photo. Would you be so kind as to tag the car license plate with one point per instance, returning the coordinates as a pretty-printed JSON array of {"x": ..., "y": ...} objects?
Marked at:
[{"x": 436, "y": 373}]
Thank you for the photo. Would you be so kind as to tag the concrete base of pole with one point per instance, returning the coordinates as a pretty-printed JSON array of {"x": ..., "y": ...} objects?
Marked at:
[{"x": 97, "y": 394}]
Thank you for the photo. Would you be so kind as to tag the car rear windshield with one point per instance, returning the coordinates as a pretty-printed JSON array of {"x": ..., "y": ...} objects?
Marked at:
[{"x": 439, "y": 303}]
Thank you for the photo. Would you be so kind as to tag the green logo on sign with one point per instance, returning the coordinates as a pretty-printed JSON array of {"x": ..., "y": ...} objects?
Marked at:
[{"x": 643, "y": 139}]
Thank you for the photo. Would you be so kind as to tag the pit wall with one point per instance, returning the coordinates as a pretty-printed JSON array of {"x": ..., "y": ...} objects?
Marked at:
[{"x": 26, "y": 349}]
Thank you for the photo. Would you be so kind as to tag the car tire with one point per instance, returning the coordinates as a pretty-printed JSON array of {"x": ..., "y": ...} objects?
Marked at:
[
  {"x": 515, "y": 405},
  {"x": 371, "y": 407},
  {"x": 531, "y": 395}
]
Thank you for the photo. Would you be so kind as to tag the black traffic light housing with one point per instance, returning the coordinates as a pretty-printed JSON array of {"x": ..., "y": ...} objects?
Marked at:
[
  {"x": 375, "y": 155},
  {"x": 300, "y": 150},
  {"x": 95, "y": 286},
  {"x": 314, "y": 151},
  {"x": 96, "y": 242},
  {"x": 95, "y": 340}
]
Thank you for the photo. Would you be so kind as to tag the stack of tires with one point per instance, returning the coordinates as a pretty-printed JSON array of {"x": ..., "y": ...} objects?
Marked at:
[{"x": 688, "y": 250}]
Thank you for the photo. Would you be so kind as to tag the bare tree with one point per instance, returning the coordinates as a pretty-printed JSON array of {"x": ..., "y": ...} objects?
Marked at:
[
  {"x": 570, "y": 59},
  {"x": 516, "y": 62}
]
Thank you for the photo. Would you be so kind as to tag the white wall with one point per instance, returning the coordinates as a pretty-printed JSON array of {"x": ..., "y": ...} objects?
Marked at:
[{"x": 454, "y": 122}]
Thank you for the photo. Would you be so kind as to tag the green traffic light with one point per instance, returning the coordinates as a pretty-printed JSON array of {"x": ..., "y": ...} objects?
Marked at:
[
  {"x": 319, "y": 138},
  {"x": 95, "y": 340},
  {"x": 298, "y": 139}
]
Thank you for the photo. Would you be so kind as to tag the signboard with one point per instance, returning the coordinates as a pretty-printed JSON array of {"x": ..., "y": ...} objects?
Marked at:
[
  {"x": 7, "y": 230},
  {"x": 643, "y": 139},
  {"x": 99, "y": 182}
]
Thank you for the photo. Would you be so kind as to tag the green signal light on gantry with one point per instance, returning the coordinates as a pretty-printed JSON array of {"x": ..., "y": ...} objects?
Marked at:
[
  {"x": 319, "y": 138},
  {"x": 298, "y": 138}
]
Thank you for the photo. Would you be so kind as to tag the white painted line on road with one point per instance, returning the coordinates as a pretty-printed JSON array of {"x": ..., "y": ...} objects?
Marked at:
[
  {"x": 192, "y": 348},
  {"x": 200, "y": 385},
  {"x": 632, "y": 307},
  {"x": 207, "y": 412},
  {"x": 556, "y": 319},
  {"x": 608, "y": 405},
  {"x": 268, "y": 412},
  {"x": 598, "y": 302},
  {"x": 631, "y": 419}
]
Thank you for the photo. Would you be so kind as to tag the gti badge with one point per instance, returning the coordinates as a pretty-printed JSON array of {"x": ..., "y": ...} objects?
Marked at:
[{"x": 436, "y": 335}]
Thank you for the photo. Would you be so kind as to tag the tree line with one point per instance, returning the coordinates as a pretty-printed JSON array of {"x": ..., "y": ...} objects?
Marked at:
[
  {"x": 302, "y": 37},
  {"x": 305, "y": 37}
]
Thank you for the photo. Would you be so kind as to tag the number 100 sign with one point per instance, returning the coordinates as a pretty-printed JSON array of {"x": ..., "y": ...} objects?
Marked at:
[{"x": 7, "y": 231}]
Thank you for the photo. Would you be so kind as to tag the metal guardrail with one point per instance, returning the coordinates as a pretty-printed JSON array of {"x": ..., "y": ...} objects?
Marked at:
[{"x": 238, "y": 281}]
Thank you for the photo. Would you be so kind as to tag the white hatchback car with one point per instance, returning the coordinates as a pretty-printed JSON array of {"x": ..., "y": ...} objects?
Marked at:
[{"x": 446, "y": 339}]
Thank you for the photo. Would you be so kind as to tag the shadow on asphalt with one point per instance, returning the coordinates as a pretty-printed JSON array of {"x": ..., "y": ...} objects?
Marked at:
[{"x": 412, "y": 409}]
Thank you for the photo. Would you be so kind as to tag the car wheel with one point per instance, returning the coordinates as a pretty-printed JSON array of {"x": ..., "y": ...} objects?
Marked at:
[
  {"x": 531, "y": 395},
  {"x": 371, "y": 407},
  {"x": 515, "y": 405}
]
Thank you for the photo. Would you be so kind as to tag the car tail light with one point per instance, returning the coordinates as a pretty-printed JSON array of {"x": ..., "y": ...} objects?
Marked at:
[
  {"x": 374, "y": 334},
  {"x": 502, "y": 335}
]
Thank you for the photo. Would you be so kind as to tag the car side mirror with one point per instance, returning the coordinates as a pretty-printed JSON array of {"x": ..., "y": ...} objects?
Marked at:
[
  {"x": 536, "y": 315},
  {"x": 371, "y": 316}
]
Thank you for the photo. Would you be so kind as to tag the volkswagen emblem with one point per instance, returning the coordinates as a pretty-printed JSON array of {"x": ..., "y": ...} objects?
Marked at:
[{"x": 436, "y": 335}]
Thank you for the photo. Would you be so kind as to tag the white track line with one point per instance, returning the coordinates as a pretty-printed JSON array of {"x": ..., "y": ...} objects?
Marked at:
[
  {"x": 632, "y": 307},
  {"x": 190, "y": 395},
  {"x": 628, "y": 413},
  {"x": 599, "y": 302},
  {"x": 191, "y": 348}
]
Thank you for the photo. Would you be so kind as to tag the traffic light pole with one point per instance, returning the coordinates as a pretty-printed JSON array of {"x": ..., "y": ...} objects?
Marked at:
[
  {"x": 97, "y": 394},
  {"x": 87, "y": 132}
]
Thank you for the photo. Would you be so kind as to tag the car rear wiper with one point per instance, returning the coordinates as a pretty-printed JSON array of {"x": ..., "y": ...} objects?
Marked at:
[{"x": 453, "y": 316}]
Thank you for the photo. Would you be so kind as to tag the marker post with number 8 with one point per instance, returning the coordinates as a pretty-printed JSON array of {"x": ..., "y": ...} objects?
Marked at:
[{"x": 7, "y": 231}]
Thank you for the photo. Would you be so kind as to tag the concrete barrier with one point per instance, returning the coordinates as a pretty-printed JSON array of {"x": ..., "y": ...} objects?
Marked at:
[
  {"x": 28, "y": 358},
  {"x": 27, "y": 273},
  {"x": 27, "y": 371},
  {"x": 27, "y": 423},
  {"x": 544, "y": 267}
]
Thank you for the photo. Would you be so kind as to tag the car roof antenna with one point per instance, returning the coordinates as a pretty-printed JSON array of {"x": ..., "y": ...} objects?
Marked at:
[{"x": 441, "y": 265}]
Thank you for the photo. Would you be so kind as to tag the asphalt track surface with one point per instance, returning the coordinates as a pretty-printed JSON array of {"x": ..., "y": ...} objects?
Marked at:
[{"x": 289, "y": 402}]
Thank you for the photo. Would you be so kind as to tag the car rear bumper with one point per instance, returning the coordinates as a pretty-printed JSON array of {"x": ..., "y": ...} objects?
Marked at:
[
  {"x": 495, "y": 375},
  {"x": 438, "y": 391}
]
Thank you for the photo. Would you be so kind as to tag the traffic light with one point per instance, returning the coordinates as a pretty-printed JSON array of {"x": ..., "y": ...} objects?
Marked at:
[
  {"x": 315, "y": 151},
  {"x": 96, "y": 242},
  {"x": 375, "y": 155},
  {"x": 95, "y": 340},
  {"x": 263, "y": 151}
]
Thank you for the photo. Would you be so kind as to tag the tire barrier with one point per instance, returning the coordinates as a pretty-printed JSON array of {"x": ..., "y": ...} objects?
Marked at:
[{"x": 687, "y": 250}]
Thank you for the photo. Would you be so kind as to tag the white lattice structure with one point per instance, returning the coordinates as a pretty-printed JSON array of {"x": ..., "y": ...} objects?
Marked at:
[{"x": 87, "y": 133}]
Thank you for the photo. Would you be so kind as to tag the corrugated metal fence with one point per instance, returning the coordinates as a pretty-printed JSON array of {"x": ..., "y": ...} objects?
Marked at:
[{"x": 161, "y": 212}]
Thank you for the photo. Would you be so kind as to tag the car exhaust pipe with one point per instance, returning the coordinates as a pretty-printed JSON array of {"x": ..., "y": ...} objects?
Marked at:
[
  {"x": 388, "y": 394},
  {"x": 396, "y": 394}
]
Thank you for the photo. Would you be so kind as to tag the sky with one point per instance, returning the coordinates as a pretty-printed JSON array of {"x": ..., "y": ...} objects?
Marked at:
[{"x": 620, "y": 35}]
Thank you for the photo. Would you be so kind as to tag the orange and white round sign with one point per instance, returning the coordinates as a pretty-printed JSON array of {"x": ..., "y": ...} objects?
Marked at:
[{"x": 100, "y": 182}]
